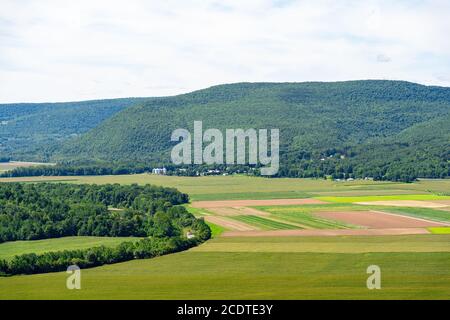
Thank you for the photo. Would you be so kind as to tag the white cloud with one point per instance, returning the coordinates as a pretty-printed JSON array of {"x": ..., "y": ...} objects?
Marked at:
[{"x": 61, "y": 50}]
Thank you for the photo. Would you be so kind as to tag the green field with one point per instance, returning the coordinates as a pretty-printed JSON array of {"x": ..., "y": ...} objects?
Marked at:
[
  {"x": 215, "y": 229},
  {"x": 241, "y": 273},
  {"x": 245, "y": 187},
  {"x": 303, "y": 215},
  {"x": 264, "y": 224},
  {"x": 6, "y": 166},
  {"x": 340, "y": 244},
  {"x": 440, "y": 230},
  {"x": 10, "y": 249},
  {"x": 413, "y": 267}
]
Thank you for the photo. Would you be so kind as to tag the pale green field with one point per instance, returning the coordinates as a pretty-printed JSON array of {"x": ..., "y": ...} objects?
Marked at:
[
  {"x": 5, "y": 166},
  {"x": 263, "y": 223},
  {"x": 440, "y": 230},
  {"x": 349, "y": 244},
  {"x": 216, "y": 230},
  {"x": 245, "y": 187},
  {"x": 10, "y": 249},
  {"x": 261, "y": 268},
  {"x": 413, "y": 267},
  {"x": 303, "y": 215}
]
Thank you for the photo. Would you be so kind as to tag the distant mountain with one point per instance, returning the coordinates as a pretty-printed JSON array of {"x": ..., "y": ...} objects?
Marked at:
[
  {"x": 392, "y": 130},
  {"x": 31, "y": 130}
]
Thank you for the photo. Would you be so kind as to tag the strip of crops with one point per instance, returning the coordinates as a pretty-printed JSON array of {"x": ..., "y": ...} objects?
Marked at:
[
  {"x": 309, "y": 220},
  {"x": 265, "y": 223}
]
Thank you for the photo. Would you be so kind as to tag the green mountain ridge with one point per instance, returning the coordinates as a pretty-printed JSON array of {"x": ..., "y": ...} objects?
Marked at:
[
  {"x": 32, "y": 130},
  {"x": 369, "y": 128}
]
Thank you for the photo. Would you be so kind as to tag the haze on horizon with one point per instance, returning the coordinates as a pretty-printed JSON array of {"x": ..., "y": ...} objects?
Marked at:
[{"x": 60, "y": 50}]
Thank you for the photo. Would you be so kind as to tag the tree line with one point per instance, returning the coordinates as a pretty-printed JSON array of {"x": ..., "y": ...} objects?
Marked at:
[
  {"x": 405, "y": 169},
  {"x": 58, "y": 261},
  {"x": 77, "y": 170}
]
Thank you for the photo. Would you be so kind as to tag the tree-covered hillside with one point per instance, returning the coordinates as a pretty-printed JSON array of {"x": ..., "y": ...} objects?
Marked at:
[
  {"x": 385, "y": 129},
  {"x": 29, "y": 131},
  {"x": 48, "y": 210}
]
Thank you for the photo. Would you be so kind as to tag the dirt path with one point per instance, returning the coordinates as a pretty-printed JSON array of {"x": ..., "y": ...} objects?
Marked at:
[
  {"x": 444, "y": 202},
  {"x": 253, "y": 203},
  {"x": 237, "y": 211},
  {"x": 324, "y": 232}
]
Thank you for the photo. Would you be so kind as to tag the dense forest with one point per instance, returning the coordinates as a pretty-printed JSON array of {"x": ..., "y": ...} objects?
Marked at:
[
  {"x": 31, "y": 131},
  {"x": 46, "y": 210},
  {"x": 386, "y": 130}
]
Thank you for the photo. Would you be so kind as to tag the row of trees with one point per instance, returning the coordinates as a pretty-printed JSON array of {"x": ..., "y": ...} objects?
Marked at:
[
  {"x": 391, "y": 162},
  {"x": 97, "y": 256},
  {"x": 76, "y": 170}
]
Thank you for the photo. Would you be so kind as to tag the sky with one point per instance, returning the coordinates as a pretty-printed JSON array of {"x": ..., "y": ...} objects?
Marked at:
[{"x": 63, "y": 50}]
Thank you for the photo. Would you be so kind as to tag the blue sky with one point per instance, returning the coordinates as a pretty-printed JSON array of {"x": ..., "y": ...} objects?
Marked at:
[{"x": 59, "y": 50}]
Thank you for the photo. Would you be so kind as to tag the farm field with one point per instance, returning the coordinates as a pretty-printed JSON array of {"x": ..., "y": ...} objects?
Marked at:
[
  {"x": 10, "y": 249},
  {"x": 440, "y": 230},
  {"x": 303, "y": 216},
  {"x": 356, "y": 244},
  {"x": 266, "y": 224},
  {"x": 306, "y": 217},
  {"x": 219, "y": 268},
  {"x": 245, "y": 187},
  {"x": 5, "y": 166},
  {"x": 260, "y": 243},
  {"x": 387, "y": 198}
]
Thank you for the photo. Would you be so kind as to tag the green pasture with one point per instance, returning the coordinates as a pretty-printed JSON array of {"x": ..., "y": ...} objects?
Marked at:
[
  {"x": 304, "y": 216},
  {"x": 413, "y": 267},
  {"x": 10, "y": 249},
  {"x": 248, "y": 187},
  {"x": 416, "y": 271},
  {"x": 263, "y": 223},
  {"x": 215, "y": 229},
  {"x": 439, "y": 230}
]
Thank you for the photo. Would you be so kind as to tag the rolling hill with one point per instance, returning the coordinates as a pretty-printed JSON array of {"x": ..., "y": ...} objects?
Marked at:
[
  {"x": 393, "y": 130},
  {"x": 29, "y": 131},
  {"x": 362, "y": 128}
]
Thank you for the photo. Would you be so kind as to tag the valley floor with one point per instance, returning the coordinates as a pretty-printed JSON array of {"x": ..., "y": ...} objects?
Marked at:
[
  {"x": 263, "y": 268},
  {"x": 234, "y": 265}
]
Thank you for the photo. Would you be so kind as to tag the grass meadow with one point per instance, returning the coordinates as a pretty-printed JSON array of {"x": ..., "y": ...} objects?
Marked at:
[
  {"x": 246, "y": 187},
  {"x": 440, "y": 230},
  {"x": 10, "y": 249},
  {"x": 416, "y": 267},
  {"x": 412, "y": 267},
  {"x": 263, "y": 223}
]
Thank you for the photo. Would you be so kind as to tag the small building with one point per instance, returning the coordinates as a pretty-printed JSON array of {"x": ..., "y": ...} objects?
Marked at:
[
  {"x": 190, "y": 235},
  {"x": 161, "y": 171}
]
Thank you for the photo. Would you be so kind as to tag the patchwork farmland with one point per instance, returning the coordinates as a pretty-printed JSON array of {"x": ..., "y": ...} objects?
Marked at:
[{"x": 315, "y": 246}]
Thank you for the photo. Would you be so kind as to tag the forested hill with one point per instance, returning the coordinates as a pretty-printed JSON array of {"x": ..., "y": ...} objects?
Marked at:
[
  {"x": 362, "y": 128},
  {"x": 31, "y": 130}
]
